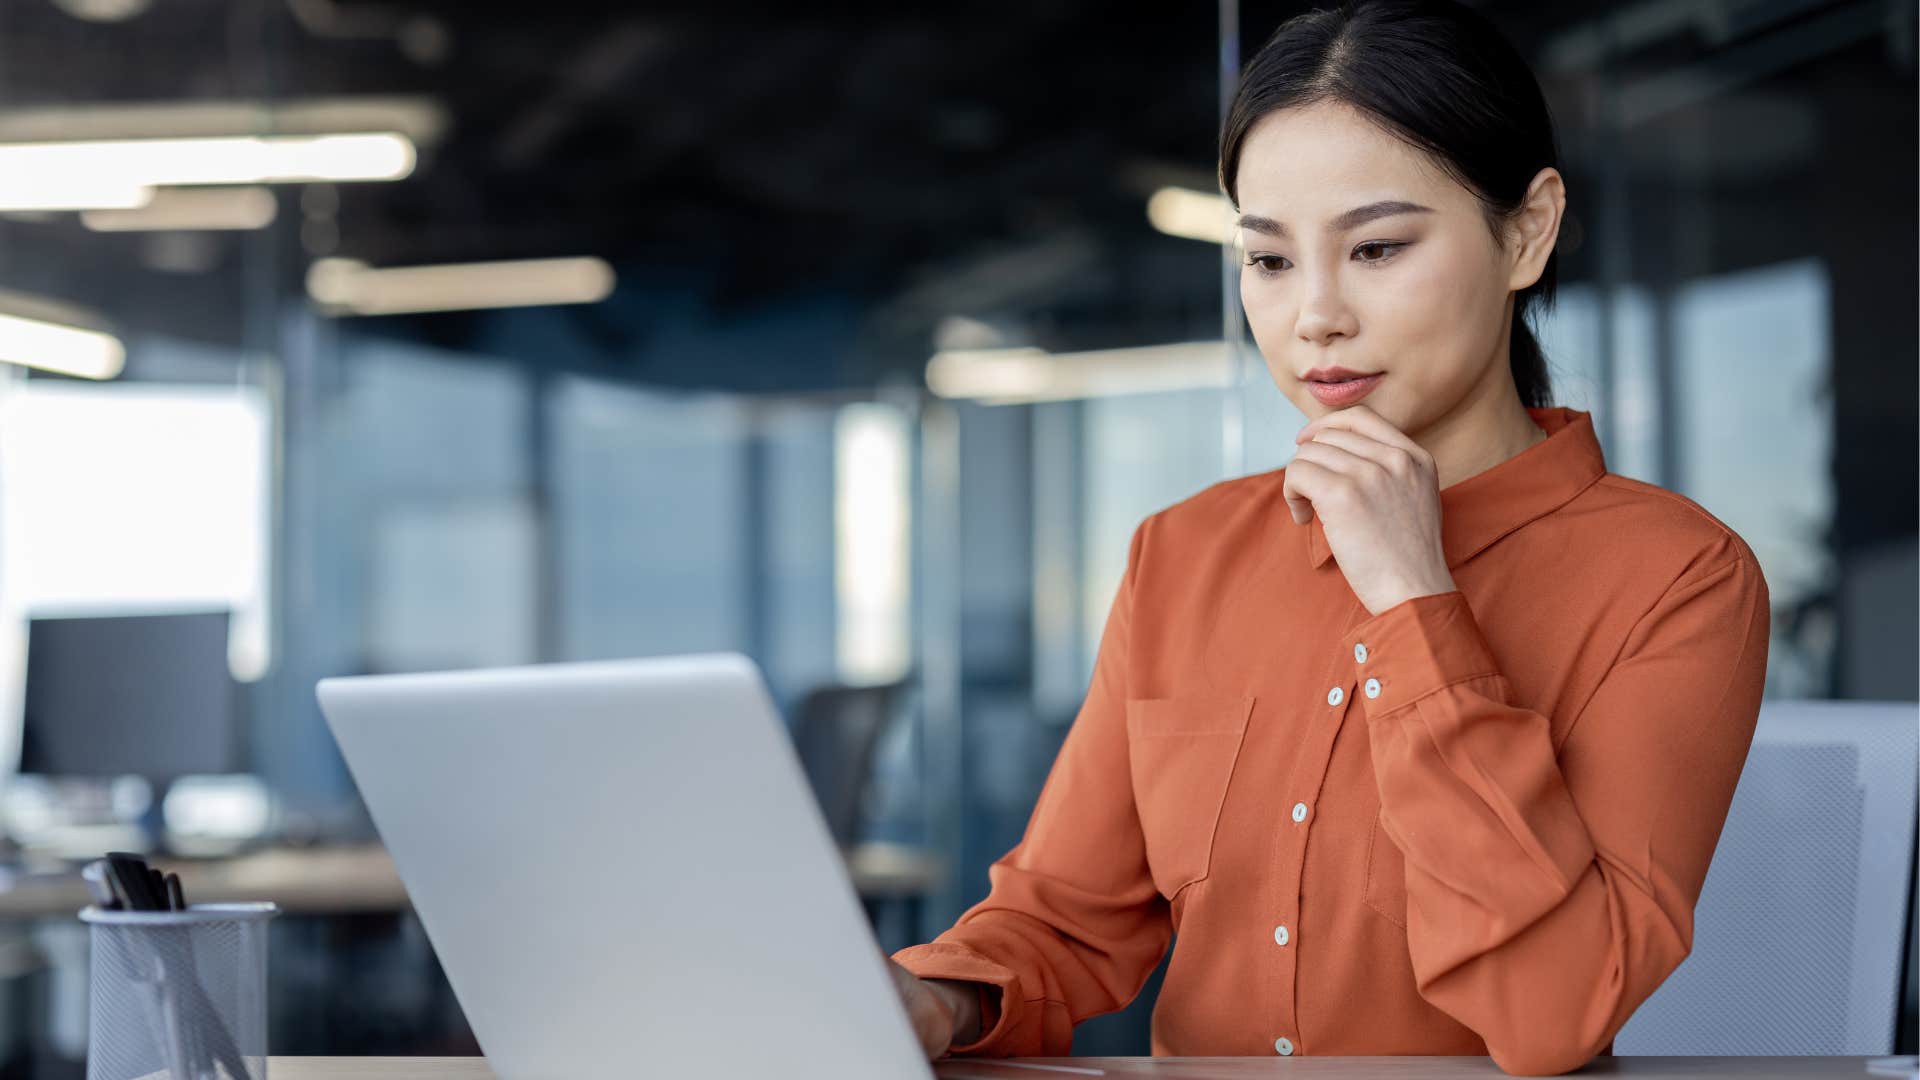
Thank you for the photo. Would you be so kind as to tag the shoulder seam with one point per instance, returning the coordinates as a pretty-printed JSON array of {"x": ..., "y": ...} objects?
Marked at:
[
  {"x": 1683, "y": 583},
  {"x": 1618, "y": 482}
]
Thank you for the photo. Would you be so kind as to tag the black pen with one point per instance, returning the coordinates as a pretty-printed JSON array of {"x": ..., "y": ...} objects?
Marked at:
[{"x": 131, "y": 873}]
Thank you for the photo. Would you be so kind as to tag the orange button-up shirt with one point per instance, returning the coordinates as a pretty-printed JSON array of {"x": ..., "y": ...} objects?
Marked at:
[{"x": 1475, "y": 823}]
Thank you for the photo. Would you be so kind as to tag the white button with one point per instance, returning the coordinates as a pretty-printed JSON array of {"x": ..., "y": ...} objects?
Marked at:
[
  {"x": 1373, "y": 688},
  {"x": 1283, "y": 1047},
  {"x": 1280, "y": 934},
  {"x": 1334, "y": 695},
  {"x": 1299, "y": 811},
  {"x": 1359, "y": 652}
]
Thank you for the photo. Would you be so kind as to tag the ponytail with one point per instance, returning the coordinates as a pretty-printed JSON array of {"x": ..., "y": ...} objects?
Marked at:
[{"x": 1524, "y": 355}]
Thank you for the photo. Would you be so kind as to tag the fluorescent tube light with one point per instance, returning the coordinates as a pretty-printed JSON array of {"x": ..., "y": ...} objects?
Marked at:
[
  {"x": 1192, "y": 215},
  {"x": 1024, "y": 376},
  {"x": 31, "y": 193},
  {"x": 349, "y": 287},
  {"x": 236, "y": 159},
  {"x": 419, "y": 118},
  {"x": 68, "y": 350},
  {"x": 191, "y": 208},
  {"x": 104, "y": 11}
]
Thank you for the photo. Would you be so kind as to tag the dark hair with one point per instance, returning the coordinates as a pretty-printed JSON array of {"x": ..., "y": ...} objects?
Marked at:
[{"x": 1438, "y": 76}]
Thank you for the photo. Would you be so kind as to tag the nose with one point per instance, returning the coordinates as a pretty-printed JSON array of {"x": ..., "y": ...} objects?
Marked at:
[{"x": 1323, "y": 314}]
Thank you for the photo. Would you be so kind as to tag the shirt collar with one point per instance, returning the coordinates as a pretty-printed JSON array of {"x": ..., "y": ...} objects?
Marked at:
[{"x": 1488, "y": 505}]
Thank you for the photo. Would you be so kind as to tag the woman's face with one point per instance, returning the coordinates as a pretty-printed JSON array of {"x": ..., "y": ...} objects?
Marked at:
[{"x": 1359, "y": 253}]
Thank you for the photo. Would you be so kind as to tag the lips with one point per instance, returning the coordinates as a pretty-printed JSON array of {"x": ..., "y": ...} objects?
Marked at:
[
  {"x": 1335, "y": 374},
  {"x": 1346, "y": 391}
]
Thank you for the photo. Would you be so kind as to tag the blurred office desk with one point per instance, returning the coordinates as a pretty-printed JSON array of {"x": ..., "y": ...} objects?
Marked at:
[
  {"x": 304, "y": 880},
  {"x": 342, "y": 880},
  {"x": 1229, "y": 1068},
  {"x": 887, "y": 871},
  {"x": 893, "y": 881}
]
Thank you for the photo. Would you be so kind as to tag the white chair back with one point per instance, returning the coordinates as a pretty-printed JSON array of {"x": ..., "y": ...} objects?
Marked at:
[{"x": 1801, "y": 925}]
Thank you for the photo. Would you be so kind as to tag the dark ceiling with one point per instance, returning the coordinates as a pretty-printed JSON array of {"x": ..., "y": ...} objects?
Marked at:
[{"x": 738, "y": 161}]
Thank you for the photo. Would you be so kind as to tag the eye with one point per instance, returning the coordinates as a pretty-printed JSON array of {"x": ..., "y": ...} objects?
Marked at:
[
  {"x": 1267, "y": 265},
  {"x": 1386, "y": 248}
]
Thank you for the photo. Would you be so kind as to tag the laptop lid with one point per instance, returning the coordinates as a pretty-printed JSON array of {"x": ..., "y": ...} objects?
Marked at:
[{"x": 623, "y": 870}]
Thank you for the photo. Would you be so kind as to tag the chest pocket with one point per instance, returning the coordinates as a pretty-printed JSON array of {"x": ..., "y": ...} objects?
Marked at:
[{"x": 1181, "y": 753}]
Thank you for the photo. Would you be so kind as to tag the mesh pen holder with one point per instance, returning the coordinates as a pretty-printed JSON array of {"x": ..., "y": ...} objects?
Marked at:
[{"x": 179, "y": 995}]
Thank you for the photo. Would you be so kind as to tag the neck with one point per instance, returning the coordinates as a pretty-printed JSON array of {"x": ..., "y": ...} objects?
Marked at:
[{"x": 1487, "y": 428}]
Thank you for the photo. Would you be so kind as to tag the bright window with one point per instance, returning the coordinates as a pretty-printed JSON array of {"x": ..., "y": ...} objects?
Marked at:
[{"x": 133, "y": 498}]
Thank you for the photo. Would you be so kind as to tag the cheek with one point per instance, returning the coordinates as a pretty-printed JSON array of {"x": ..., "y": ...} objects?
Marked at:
[
  {"x": 1250, "y": 298},
  {"x": 1267, "y": 315},
  {"x": 1448, "y": 309},
  {"x": 1269, "y": 324}
]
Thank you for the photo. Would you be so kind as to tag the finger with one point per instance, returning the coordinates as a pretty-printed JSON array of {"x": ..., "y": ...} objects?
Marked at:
[
  {"x": 1342, "y": 459},
  {"x": 922, "y": 1006},
  {"x": 1361, "y": 419},
  {"x": 936, "y": 1022},
  {"x": 1329, "y": 468},
  {"x": 1364, "y": 422},
  {"x": 1305, "y": 479},
  {"x": 928, "y": 1007},
  {"x": 1385, "y": 455},
  {"x": 931, "y": 1042},
  {"x": 1345, "y": 470}
]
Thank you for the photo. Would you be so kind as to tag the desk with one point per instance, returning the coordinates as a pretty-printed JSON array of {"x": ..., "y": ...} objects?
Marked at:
[
  {"x": 1302, "y": 1068},
  {"x": 362, "y": 878},
  {"x": 304, "y": 880}
]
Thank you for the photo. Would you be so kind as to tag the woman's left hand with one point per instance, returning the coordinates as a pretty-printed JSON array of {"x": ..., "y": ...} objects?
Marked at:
[{"x": 1378, "y": 498}]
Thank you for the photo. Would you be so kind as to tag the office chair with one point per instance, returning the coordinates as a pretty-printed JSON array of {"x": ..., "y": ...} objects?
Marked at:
[
  {"x": 1801, "y": 928},
  {"x": 836, "y": 731}
]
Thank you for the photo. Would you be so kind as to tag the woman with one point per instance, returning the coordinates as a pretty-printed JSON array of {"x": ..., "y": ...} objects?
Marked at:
[{"x": 1423, "y": 743}]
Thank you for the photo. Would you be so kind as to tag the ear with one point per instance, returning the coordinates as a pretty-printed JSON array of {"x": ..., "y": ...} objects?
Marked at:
[{"x": 1536, "y": 226}]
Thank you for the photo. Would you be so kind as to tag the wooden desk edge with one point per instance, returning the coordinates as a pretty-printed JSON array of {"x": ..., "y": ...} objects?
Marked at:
[
  {"x": 362, "y": 878},
  {"x": 1168, "y": 1068}
]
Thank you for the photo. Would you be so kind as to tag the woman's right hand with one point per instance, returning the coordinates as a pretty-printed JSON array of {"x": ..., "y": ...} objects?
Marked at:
[{"x": 938, "y": 1008}]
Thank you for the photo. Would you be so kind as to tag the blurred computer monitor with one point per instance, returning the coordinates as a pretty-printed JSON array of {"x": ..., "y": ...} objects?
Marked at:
[{"x": 143, "y": 695}]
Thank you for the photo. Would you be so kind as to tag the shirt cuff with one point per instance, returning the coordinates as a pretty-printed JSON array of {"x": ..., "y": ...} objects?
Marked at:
[
  {"x": 946, "y": 960},
  {"x": 1416, "y": 647}
]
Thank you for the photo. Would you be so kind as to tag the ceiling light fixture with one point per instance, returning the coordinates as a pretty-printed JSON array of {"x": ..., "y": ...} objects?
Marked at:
[
  {"x": 35, "y": 193},
  {"x": 232, "y": 159},
  {"x": 104, "y": 11},
  {"x": 1192, "y": 215},
  {"x": 1027, "y": 375},
  {"x": 420, "y": 118},
  {"x": 190, "y": 209},
  {"x": 350, "y": 287},
  {"x": 67, "y": 350}
]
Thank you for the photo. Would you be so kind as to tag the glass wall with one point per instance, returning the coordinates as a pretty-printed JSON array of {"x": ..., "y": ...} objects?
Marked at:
[
  {"x": 870, "y": 343},
  {"x": 1725, "y": 312}
]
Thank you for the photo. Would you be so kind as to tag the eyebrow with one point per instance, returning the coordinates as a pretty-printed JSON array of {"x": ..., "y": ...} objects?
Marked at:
[{"x": 1353, "y": 218}]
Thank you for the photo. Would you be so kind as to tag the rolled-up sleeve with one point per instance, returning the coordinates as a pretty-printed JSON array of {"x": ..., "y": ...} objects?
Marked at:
[
  {"x": 1551, "y": 890},
  {"x": 1072, "y": 925}
]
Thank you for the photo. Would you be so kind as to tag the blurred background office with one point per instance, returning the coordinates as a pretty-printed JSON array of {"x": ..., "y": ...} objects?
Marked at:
[{"x": 347, "y": 336}]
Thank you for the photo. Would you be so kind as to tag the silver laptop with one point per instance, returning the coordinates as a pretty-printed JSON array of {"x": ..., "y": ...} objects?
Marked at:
[{"x": 623, "y": 871}]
